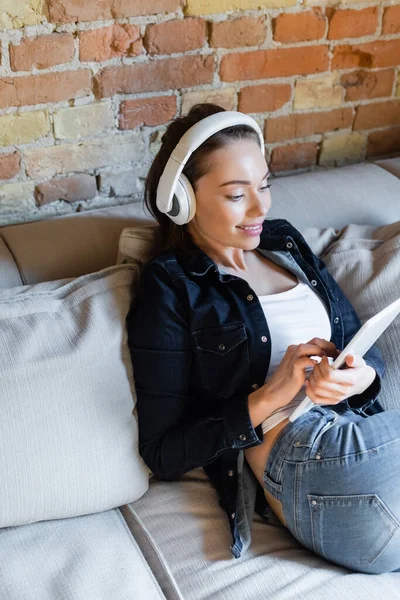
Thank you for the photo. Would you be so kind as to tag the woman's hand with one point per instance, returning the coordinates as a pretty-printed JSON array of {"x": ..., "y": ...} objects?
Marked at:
[
  {"x": 290, "y": 374},
  {"x": 330, "y": 386}
]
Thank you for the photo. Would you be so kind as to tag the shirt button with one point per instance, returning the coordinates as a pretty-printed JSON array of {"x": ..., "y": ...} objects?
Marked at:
[
  {"x": 264, "y": 338},
  {"x": 313, "y": 282},
  {"x": 231, "y": 473},
  {"x": 242, "y": 437},
  {"x": 318, "y": 456},
  {"x": 221, "y": 347},
  {"x": 233, "y": 515},
  {"x": 289, "y": 245},
  {"x": 250, "y": 297},
  {"x": 336, "y": 320},
  {"x": 255, "y": 386}
]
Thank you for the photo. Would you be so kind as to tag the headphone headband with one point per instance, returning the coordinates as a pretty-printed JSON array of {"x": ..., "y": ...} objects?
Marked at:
[{"x": 190, "y": 141}]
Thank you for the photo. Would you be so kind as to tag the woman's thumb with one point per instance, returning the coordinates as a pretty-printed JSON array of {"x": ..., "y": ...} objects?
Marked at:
[{"x": 354, "y": 361}]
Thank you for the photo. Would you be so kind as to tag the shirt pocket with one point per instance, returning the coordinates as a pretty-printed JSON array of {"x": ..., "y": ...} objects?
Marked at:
[{"x": 223, "y": 357}]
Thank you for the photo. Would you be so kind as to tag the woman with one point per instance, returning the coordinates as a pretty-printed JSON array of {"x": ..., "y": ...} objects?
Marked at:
[{"x": 235, "y": 322}]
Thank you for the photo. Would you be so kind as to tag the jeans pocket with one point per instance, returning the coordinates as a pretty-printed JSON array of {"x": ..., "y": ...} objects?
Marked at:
[{"x": 350, "y": 530}]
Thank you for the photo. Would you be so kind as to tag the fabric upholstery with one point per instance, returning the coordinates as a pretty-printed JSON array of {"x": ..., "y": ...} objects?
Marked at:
[
  {"x": 365, "y": 261},
  {"x": 93, "y": 557},
  {"x": 9, "y": 274},
  {"x": 68, "y": 433},
  {"x": 69, "y": 246},
  {"x": 390, "y": 164},
  {"x": 362, "y": 194},
  {"x": 184, "y": 535}
]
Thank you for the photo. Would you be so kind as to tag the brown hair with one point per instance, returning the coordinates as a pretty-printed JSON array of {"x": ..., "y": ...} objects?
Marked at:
[{"x": 171, "y": 234}]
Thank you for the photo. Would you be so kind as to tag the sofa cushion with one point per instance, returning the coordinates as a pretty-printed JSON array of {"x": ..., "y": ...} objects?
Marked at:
[
  {"x": 68, "y": 432},
  {"x": 365, "y": 261},
  {"x": 361, "y": 193},
  {"x": 184, "y": 535},
  {"x": 83, "y": 242},
  {"x": 93, "y": 557},
  {"x": 390, "y": 164}
]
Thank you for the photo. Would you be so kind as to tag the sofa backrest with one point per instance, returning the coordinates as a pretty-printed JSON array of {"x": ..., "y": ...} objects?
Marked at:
[{"x": 73, "y": 245}]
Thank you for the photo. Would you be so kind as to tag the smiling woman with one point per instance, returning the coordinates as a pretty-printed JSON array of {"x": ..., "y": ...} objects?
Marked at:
[{"x": 230, "y": 319}]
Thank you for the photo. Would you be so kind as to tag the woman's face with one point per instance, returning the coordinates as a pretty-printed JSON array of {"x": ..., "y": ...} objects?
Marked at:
[{"x": 232, "y": 198}]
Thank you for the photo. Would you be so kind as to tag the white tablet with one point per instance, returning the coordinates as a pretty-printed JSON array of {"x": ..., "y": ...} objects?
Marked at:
[{"x": 365, "y": 337}]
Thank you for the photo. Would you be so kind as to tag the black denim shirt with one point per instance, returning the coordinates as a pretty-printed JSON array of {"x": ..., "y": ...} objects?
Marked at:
[{"x": 199, "y": 344}]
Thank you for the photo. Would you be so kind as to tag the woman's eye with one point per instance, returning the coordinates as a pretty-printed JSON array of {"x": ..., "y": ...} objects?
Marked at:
[
  {"x": 265, "y": 187},
  {"x": 235, "y": 198}
]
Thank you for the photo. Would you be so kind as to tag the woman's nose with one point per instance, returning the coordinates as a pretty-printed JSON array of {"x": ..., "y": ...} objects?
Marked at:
[{"x": 260, "y": 204}]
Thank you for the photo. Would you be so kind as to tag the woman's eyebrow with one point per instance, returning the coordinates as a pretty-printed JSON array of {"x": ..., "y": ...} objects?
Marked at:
[{"x": 242, "y": 181}]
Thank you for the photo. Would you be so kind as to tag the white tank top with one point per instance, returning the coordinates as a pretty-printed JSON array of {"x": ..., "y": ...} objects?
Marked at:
[{"x": 294, "y": 317}]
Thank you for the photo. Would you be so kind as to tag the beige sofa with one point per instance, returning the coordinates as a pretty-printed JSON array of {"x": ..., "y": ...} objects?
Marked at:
[{"x": 172, "y": 541}]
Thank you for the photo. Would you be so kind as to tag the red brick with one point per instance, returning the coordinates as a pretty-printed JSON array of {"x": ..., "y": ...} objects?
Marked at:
[
  {"x": 299, "y": 27},
  {"x": 47, "y": 87},
  {"x": 352, "y": 23},
  {"x": 301, "y": 125},
  {"x": 149, "y": 111},
  {"x": 71, "y": 189},
  {"x": 238, "y": 33},
  {"x": 264, "y": 98},
  {"x": 134, "y": 8},
  {"x": 9, "y": 165},
  {"x": 71, "y": 11},
  {"x": 383, "y": 142},
  {"x": 360, "y": 85},
  {"x": 42, "y": 52},
  {"x": 293, "y": 156},
  {"x": 282, "y": 62},
  {"x": 175, "y": 36},
  {"x": 391, "y": 20},
  {"x": 378, "y": 114},
  {"x": 108, "y": 42},
  {"x": 171, "y": 73},
  {"x": 379, "y": 54}
]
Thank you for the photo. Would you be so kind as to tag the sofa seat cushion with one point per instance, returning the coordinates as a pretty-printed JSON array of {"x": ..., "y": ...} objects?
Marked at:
[
  {"x": 183, "y": 533},
  {"x": 93, "y": 557}
]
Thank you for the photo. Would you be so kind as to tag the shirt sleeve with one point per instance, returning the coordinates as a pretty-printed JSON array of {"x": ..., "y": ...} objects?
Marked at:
[
  {"x": 171, "y": 441},
  {"x": 351, "y": 324}
]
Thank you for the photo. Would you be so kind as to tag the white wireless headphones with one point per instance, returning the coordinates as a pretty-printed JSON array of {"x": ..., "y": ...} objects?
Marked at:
[{"x": 175, "y": 195}]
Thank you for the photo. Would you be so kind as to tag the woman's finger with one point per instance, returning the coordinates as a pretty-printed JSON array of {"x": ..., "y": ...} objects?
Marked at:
[
  {"x": 328, "y": 390},
  {"x": 354, "y": 360},
  {"x": 325, "y": 398}
]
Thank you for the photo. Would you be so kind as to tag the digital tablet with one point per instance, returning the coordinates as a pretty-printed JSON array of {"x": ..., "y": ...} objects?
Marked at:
[{"x": 365, "y": 337}]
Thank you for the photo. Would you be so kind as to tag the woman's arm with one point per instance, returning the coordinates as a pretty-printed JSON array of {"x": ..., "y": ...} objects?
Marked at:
[{"x": 171, "y": 440}]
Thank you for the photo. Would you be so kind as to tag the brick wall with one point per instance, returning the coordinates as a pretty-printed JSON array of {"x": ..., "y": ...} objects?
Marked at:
[{"x": 86, "y": 88}]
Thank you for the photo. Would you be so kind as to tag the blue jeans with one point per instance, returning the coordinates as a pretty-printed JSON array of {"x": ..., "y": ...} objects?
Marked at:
[{"x": 337, "y": 475}]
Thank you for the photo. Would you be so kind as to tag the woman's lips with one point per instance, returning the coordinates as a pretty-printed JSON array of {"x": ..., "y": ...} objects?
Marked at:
[{"x": 252, "y": 230}]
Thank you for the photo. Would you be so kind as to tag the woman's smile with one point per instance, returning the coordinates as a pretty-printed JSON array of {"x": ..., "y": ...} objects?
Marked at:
[{"x": 253, "y": 230}]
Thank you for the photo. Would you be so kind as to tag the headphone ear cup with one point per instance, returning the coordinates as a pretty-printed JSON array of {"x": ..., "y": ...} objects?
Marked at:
[
  {"x": 190, "y": 196},
  {"x": 183, "y": 203}
]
